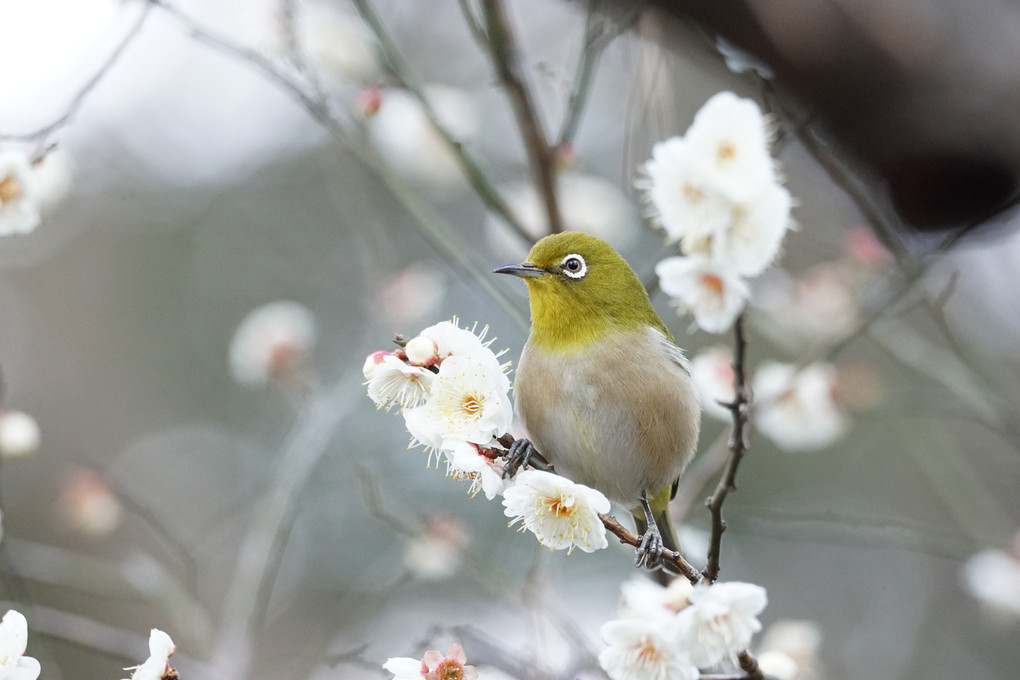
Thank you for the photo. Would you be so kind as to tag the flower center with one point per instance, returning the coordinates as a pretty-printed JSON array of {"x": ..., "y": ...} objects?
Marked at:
[
  {"x": 692, "y": 194},
  {"x": 726, "y": 151},
  {"x": 471, "y": 404},
  {"x": 10, "y": 190},
  {"x": 713, "y": 283},
  {"x": 647, "y": 653},
  {"x": 448, "y": 669}
]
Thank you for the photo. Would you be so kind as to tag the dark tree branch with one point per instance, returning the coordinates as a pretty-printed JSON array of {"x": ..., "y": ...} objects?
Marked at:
[
  {"x": 738, "y": 449},
  {"x": 506, "y": 57}
]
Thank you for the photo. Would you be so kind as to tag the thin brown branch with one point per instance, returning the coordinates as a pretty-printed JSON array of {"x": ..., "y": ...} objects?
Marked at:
[
  {"x": 750, "y": 666},
  {"x": 674, "y": 561},
  {"x": 738, "y": 449},
  {"x": 506, "y": 57}
]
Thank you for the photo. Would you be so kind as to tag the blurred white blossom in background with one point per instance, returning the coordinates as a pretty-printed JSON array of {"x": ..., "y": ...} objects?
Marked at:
[
  {"x": 273, "y": 343},
  {"x": 406, "y": 137},
  {"x": 339, "y": 42},
  {"x": 993, "y": 578},
  {"x": 437, "y": 551},
  {"x": 88, "y": 505},
  {"x": 19, "y": 434},
  {"x": 19, "y": 195},
  {"x": 712, "y": 373},
  {"x": 716, "y": 191},
  {"x": 789, "y": 650},
  {"x": 795, "y": 406}
]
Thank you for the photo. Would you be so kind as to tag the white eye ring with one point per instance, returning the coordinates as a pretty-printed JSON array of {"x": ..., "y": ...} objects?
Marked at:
[{"x": 574, "y": 266}]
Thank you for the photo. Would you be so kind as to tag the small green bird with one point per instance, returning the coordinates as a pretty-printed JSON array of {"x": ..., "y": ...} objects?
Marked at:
[{"x": 604, "y": 394}]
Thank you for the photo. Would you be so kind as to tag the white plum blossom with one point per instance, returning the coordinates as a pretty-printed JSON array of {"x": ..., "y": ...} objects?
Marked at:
[
  {"x": 405, "y": 136},
  {"x": 713, "y": 293},
  {"x": 88, "y": 504},
  {"x": 468, "y": 400},
  {"x": 438, "y": 550},
  {"x": 730, "y": 140},
  {"x": 716, "y": 191},
  {"x": 712, "y": 374},
  {"x": 562, "y": 514},
  {"x": 720, "y": 622},
  {"x": 641, "y": 650},
  {"x": 19, "y": 196},
  {"x": 14, "y": 665},
  {"x": 795, "y": 407},
  {"x": 751, "y": 240},
  {"x": 19, "y": 434},
  {"x": 434, "y": 665},
  {"x": 453, "y": 340},
  {"x": 339, "y": 42},
  {"x": 993, "y": 578},
  {"x": 395, "y": 383},
  {"x": 683, "y": 202},
  {"x": 642, "y": 598},
  {"x": 789, "y": 650},
  {"x": 272, "y": 343},
  {"x": 423, "y": 431},
  {"x": 465, "y": 461},
  {"x": 161, "y": 648}
]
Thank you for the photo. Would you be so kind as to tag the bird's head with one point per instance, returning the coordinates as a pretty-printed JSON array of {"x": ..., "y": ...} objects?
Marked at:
[{"x": 580, "y": 288}]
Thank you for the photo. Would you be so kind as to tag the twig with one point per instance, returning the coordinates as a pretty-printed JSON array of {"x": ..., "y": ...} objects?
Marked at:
[
  {"x": 738, "y": 448},
  {"x": 429, "y": 223},
  {"x": 749, "y": 665},
  {"x": 507, "y": 59},
  {"x": 262, "y": 547},
  {"x": 473, "y": 24},
  {"x": 76, "y": 103},
  {"x": 472, "y": 170},
  {"x": 669, "y": 557},
  {"x": 596, "y": 38}
]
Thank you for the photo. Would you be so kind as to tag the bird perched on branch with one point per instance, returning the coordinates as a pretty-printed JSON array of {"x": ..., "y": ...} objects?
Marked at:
[{"x": 601, "y": 389}]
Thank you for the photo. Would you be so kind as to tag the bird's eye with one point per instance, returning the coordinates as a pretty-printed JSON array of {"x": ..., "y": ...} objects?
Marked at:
[{"x": 574, "y": 266}]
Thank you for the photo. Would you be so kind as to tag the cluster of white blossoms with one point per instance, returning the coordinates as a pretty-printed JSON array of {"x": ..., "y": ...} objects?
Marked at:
[
  {"x": 157, "y": 666},
  {"x": 14, "y": 665},
  {"x": 716, "y": 192},
  {"x": 671, "y": 633},
  {"x": 453, "y": 393}
]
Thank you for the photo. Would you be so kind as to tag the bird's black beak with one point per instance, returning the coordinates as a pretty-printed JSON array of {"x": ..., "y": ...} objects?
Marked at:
[{"x": 524, "y": 270}]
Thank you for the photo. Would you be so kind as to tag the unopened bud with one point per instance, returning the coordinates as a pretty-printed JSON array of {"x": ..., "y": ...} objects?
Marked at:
[
  {"x": 421, "y": 351},
  {"x": 371, "y": 361}
]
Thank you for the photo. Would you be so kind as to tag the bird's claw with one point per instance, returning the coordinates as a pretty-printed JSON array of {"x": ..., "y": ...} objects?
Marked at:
[
  {"x": 518, "y": 455},
  {"x": 649, "y": 552}
]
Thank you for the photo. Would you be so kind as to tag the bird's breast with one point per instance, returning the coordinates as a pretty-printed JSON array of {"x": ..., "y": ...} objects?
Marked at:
[{"x": 620, "y": 416}]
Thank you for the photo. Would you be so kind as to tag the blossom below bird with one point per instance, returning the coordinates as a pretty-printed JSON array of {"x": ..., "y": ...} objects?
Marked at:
[{"x": 603, "y": 392}]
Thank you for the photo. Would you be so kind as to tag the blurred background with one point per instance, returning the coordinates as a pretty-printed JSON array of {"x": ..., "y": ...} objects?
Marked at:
[{"x": 212, "y": 467}]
